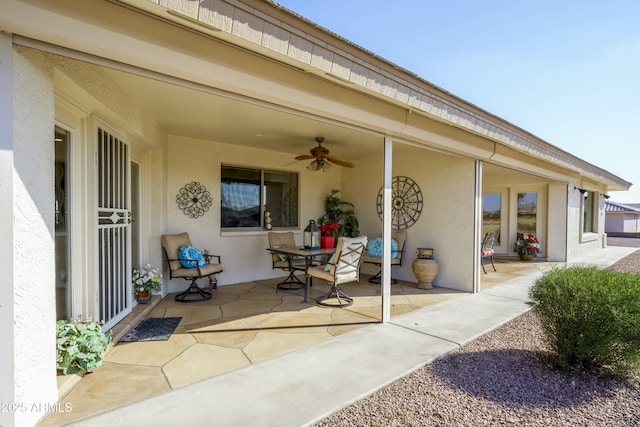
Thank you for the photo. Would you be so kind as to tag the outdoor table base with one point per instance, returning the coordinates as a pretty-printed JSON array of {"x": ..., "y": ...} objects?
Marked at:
[
  {"x": 292, "y": 282},
  {"x": 308, "y": 255}
]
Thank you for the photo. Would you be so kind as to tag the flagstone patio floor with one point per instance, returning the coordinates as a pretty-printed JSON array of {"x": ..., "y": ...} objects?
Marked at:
[{"x": 242, "y": 324}]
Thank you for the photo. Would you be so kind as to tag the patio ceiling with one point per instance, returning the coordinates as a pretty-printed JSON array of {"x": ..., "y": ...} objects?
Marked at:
[{"x": 192, "y": 113}]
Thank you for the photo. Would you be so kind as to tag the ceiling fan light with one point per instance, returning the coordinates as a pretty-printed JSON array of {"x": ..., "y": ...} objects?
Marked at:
[{"x": 319, "y": 164}]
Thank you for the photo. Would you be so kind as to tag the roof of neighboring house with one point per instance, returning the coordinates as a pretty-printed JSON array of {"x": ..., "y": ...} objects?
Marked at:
[{"x": 613, "y": 207}]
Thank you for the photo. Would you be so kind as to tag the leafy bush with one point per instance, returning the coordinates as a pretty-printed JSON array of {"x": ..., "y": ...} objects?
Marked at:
[
  {"x": 80, "y": 345},
  {"x": 341, "y": 212},
  {"x": 590, "y": 317}
]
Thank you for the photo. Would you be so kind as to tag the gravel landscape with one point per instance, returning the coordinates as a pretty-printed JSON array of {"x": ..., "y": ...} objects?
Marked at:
[{"x": 501, "y": 379}]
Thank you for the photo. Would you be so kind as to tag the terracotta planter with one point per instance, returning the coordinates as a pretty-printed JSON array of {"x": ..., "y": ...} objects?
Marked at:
[
  {"x": 525, "y": 257},
  {"x": 327, "y": 242},
  {"x": 143, "y": 296}
]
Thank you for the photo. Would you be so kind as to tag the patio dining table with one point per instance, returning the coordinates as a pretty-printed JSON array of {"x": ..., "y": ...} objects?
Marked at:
[{"x": 308, "y": 254}]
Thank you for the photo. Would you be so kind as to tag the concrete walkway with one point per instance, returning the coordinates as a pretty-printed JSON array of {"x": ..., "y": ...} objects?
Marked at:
[{"x": 304, "y": 386}]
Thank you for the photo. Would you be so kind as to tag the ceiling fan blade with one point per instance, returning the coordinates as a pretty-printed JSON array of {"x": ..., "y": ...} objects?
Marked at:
[
  {"x": 338, "y": 161},
  {"x": 305, "y": 157}
]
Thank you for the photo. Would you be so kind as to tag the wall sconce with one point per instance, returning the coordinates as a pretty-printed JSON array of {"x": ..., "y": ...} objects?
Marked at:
[
  {"x": 606, "y": 196},
  {"x": 581, "y": 190}
]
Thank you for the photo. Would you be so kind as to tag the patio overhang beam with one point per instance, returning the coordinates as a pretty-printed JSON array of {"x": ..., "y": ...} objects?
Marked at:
[{"x": 177, "y": 81}]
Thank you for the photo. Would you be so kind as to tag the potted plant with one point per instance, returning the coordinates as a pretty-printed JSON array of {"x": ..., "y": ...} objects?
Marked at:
[
  {"x": 340, "y": 212},
  {"x": 80, "y": 345},
  {"x": 526, "y": 246},
  {"x": 327, "y": 234},
  {"x": 145, "y": 281}
]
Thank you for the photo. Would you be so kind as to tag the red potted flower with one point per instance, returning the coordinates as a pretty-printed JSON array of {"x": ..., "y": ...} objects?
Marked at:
[{"x": 327, "y": 234}]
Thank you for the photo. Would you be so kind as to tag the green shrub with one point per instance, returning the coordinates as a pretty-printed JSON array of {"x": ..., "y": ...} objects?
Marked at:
[
  {"x": 80, "y": 345},
  {"x": 590, "y": 317}
]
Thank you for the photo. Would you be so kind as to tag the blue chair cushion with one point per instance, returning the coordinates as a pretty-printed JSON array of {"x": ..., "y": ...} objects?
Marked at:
[
  {"x": 190, "y": 256},
  {"x": 375, "y": 248},
  {"x": 331, "y": 261}
]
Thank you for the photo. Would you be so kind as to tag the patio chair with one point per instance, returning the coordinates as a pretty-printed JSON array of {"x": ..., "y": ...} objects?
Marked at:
[
  {"x": 190, "y": 266},
  {"x": 285, "y": 262},
  {"x": 400, "y": 237},
  {"x": 343, "y": 267},
  {"x": 486, "y": 251}
]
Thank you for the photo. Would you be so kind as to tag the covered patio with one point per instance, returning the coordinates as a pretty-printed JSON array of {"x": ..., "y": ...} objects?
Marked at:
[
  {"x": 118, "y": 106},
  {"x": 243, "y": 324}
]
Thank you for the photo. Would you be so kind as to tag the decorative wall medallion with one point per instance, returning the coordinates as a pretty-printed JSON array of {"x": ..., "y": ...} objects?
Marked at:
[
  {"x": 194, "y": 199},
  {"x": 406, "y": 202}
]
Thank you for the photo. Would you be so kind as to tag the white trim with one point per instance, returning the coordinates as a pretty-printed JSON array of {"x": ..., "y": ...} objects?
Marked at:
[
  {"x": 72, "y": 119},
  {"x": 541, "y": 215},
  {"x": 501, "y": 247},
  {"x": 477, "y": 235},
  {"x": 385, "y": 283}
]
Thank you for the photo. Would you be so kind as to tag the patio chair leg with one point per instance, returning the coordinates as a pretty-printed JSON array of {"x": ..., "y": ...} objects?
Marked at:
[
  {"x": 193, "y": 289},
  {"x": 492, "y": 264},
  {"x": 335, "y": 293},
  {"x": 482, "y": 264}
]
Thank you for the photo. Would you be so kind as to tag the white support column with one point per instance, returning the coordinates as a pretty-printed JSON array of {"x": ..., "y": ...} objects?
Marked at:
[
  {"x": 477, "y": 235},
  {"x": 33, "y": 294},
  {"x": 7, "y": 325},
  {"x": 386, "y": 230}
]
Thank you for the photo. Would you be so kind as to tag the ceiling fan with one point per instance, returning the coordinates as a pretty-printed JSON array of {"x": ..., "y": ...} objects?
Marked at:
[{"x": 322, "y": 159}]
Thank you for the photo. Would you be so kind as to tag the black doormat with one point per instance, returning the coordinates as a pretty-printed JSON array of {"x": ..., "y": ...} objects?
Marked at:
[{"x": 152, "y": 329}]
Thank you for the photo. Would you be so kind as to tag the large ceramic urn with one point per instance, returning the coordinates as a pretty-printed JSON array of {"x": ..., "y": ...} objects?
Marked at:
[{"x": 425, "y": 268}]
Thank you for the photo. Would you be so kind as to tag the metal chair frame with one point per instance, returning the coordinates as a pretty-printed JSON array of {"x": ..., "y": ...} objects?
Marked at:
[
  {"x": 291, "y": 282},
  {"x": 193, "y": 293},
  {"x": 401, "y": 238},
  {"x": 486, "y": 250},
  {"x": 347, "y": 264}
]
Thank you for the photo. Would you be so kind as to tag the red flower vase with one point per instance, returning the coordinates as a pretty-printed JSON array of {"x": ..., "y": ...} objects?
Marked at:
[{"x": 327, "y": 242}]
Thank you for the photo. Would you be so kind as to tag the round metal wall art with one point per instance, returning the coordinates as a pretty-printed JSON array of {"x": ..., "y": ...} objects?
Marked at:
[
  {"x": 406, "y": 202},
  {"x": 194, "y": 199}
]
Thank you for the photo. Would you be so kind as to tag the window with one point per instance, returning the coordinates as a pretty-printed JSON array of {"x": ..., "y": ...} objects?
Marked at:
[
  {"x": 589, "y": 223},
  {"x": 62, "y": 226},
  {"x": 247, "y": 193},
  {"x": 491, "y": 213},
  {"x": 527, "y": 213}
]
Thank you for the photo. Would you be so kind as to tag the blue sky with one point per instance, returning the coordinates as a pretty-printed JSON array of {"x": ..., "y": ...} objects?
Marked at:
[{"x": 567, "y": 71}]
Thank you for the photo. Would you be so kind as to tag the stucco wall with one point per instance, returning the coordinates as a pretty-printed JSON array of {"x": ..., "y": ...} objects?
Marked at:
[
  {"x": 579, "y": 244},
  {"x": 34, "y": 297},
  {"x": 622, "y": 223},
  {"x": 243, "y": 253},
  {"x": 631, "y": 223},
  {"x": 614, "y": 223},
  {"x": 6, "y": 230},
  {"x": 446, "y": 223},
  {"x": 557, "y": 222}
]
